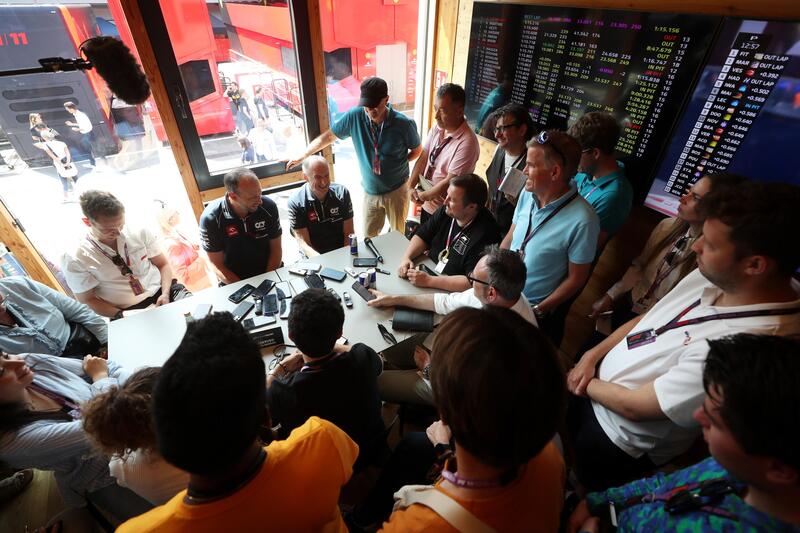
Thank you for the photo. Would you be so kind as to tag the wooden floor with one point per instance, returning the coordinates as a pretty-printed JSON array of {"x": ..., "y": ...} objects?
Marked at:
[{"x": 33, "y": 507}]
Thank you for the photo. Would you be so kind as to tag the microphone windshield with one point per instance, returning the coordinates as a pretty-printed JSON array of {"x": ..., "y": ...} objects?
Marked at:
[{"x": 115, "y": 63}]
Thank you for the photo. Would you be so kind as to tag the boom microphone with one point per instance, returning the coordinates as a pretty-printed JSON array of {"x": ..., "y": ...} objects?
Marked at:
[{"x": 115, "y": 63}]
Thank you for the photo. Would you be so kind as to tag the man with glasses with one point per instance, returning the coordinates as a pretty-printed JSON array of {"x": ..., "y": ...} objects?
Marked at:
[
  {"x": 115, "y": 268},
  {"x": 514, "y": 127},
  {"x": 385, "y": 142},
  {"x": 554, "y": 229},
  {"x": 241, "y": 232},
  {"x": 600, "y": 179},
  {"x": 450, "y": 150},
  {"x": 497, "y": 280}
]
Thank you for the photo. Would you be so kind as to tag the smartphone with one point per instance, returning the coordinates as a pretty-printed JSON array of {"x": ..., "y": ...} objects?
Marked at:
[
  {"x": 298, "y": 286},
  {"x": 202, "y": 311},
  {"x": 332, "y": 273},
  {"x": 351, "y": 271},
  {"x": 363, "y": 292},
  {"x": 241, "y": 310},
  {"x": 425, "y": 268},
  {"x": 257, "y": 322},
  {"x": 265, "y": 286},
  {"x": 259, "y": 304},
  {"x": 342, "y": 340},
  {"x": 286, "y": 305},
  {"x": 241, "y": 294},
  {"x": 309, "y": 267},
  {"x": 365, "y": 261},
  {"x": 270, "y": 304},
  {"x": 297, "y": 271},
  {"x": 283, "y": 290},
  {"x": 348, "y": 302},
  {"x": 334, "y": 294},
  {"x": 314, "y": 281}
]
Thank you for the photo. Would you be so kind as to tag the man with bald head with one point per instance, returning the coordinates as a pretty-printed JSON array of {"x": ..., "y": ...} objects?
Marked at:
[
  {"x": 320, "y": 212},
  {"x": 241, "y": 232}
]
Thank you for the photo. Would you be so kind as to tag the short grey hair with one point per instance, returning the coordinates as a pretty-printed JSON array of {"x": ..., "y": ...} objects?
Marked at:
[
  {"x": 310, "y": 161},
  {"x": 506, "y": 270},
  {"x": 235, "y": 176}
]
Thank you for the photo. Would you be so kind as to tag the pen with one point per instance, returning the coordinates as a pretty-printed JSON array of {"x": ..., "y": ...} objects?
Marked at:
[{"x": 382, "y": 271}]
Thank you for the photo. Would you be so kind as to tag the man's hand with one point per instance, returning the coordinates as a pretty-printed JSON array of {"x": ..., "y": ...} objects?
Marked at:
[
  {"x": 95, "y": 367},
  {"x": 294, "y": 362},
  {"x": 421, "y": 357},
  {"x": 162, "y": 300},
  {"x": 413, "y": 195},
  {"x": 602, "y": 305},
  {"x": 581, "y": 519},
  {"x": 405, "y": 265},
  {"x": 438, "y": 433},
  {"x": 418, "y": 278},
  {"x": 381, "y": 299},
  {"x": 294, "y": 162},
  {"x": 582, "y": 373}
]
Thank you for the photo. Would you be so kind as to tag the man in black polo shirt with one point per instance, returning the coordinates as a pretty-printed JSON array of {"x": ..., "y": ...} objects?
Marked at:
[
  {"x": 335, "y": 382},
  {"x": 454, "y": 237},
  {"x": 320, "y": 212},
  {"x": 241, "y": 232}
]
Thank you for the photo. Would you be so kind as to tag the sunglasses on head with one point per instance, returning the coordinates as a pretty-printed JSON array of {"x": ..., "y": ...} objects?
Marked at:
[{"x": 544, "y": 139}]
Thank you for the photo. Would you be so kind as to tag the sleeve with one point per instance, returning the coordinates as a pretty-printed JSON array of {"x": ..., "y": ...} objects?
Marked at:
[
  {"x": 583, "y": 245},
  {"x": 46, "y": 444},
  {"x": 275, "y": 221},
  {"x": 297, "y": 212},
  {"x": 427, "y": 231},
  {"x": 348, "y": 204},
  {"x": 343, "y": 127},
  {"x": 346, "y": 449},
  {"x": 522, "y": 207},
  {"x": 412, "y": 135},
  {"x": 371, "y": 358},
  {"x": 78, "y": 277},
  {"x": 444, "y": 303},
  {"x": 613, "y": 211},
  {"x": 598, "y": 501},
  {"x": 680, "y": 390},
  {"x": 151, "y": 243},
  {"x": 465, "y": 156},
  {"x": 210, "y": 233},
  {"x": 74, "y": 311}
]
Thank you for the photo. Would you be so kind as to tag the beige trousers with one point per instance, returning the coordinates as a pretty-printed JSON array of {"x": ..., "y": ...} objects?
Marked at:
[{"x": 392, "y": 205}]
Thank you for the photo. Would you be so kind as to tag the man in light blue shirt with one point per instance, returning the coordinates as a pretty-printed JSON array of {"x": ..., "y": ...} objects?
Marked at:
[
  {"x": 553, "y": 227},
  {"x": 601, "y": 179},
  {"x": 36, "y": 319}
]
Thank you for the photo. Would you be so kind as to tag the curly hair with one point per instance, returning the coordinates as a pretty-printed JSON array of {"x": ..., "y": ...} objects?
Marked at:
[
  {"x": 121, "y": 419},
  {"x": 315, "y": 322},
  {"x": 597, "y": 130},
  {"x": 96, "y": 203}
]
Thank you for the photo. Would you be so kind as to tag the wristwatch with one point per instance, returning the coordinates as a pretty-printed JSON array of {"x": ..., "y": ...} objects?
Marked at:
[
  {"x": 538, "y": 312},
  {"x": 426, "y": 372}
]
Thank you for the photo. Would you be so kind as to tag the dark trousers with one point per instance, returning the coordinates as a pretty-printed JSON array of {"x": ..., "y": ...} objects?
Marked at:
[
  {"x": 598, "y": 462},
  {"x": 408, "y": 465},
  {"x": 85, "y": 144}
]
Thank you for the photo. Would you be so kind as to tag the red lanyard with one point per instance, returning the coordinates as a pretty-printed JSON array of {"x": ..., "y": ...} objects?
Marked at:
[
  {"x": 376, "y": 140},
  {"x": 678, "y": 323},
  {"x": 109, "y": 257},
  {"x": 662, "y": 275}
]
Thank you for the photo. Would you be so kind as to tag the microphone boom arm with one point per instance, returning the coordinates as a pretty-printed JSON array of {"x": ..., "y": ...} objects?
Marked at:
[{"x": 51, "y": 64}]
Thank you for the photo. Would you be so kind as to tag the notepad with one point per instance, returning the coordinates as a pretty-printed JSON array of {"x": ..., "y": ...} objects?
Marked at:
[{"x": 512, "y": 182}]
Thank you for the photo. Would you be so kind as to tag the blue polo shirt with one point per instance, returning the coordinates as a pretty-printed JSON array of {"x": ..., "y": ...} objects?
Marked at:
[
  {"x": 397, "y": 136},
  {"x": 568, "y": 237},
  {"x": 245, "y": 242},
  {"x": 611, "y": 197},
  {"x": 324, "y": 220}
]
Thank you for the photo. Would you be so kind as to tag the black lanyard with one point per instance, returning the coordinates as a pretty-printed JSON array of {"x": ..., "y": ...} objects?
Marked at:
[
  {"x": 531, "y": 232},
  {"x": 505, "y": 170},
  {"x": 434, "y": 155}
]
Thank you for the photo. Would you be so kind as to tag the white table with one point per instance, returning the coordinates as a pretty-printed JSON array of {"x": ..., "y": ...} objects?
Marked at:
[{"x": 149, "y": 338}]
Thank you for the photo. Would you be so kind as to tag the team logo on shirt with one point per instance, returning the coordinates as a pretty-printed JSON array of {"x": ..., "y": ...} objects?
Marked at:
[
  {"x": 460, "y": 246},
  {"x": 232, "y": 231},
  {"x": 334, "y": 211},
  {"x": 312, "y": 216},
  {"x": 261, "y": 224}
]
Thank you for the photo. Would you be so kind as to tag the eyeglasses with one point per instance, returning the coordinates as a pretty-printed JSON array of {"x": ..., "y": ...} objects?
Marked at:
[
  {"x": 544, "y": 139},
  {"x": 677, "y": 248},
  {"x": 279, "y": 352},
  {"x": 476, "y": 280},
  {"x": 586, "y": 150},
  {"x": 708, "y": 492},
  {"x": 504, "y": 127}
]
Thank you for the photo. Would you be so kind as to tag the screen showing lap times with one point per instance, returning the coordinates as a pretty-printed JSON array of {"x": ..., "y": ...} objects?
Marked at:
[
  {"x": 743, "y": 116},
  {"x": 563, "y": 62}
]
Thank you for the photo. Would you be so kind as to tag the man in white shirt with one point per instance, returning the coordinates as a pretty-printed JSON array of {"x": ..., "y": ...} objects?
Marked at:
[
  {"x": 115, "y": 268},
  {"x": 82, "y": 127},
  {"x": 497, "y": 280},
  {"x": 637, "y": 411}
]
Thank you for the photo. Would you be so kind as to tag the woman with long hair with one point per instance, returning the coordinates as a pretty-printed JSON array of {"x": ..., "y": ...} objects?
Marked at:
[
  {"x": 119, "y": 423},
  {"x": 667, "y": 256},
  {"x": 188, "y": 264}
]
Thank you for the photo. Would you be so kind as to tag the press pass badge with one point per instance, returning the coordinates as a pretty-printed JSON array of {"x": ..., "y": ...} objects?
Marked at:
[
  {"x": 641, "y": 338},
  {"x": 441, "y": 265}
]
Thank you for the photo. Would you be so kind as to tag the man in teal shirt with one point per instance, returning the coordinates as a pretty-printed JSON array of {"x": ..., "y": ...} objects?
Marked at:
[
  {"x": 601, "y": 179},
  {"x": 385, "y": 142}
]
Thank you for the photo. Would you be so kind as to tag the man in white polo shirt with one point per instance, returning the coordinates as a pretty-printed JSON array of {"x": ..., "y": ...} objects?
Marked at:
[
  {"x": 497, "y": 280},
  {"x": 115, "y": 268},
  {"x": 635, "y": 408},
  {"x": 82, "y": 127}
]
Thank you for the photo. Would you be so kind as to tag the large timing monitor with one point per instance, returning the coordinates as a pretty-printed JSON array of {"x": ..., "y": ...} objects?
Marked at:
[
  {"x": 562, "y": 62},
  {"x": 744, "y": 114}
]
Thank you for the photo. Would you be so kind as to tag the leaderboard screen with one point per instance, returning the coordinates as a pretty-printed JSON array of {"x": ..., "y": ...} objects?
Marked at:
[
  {"x": 563, "y": 62},
  {"x": 743, "y": 116}
]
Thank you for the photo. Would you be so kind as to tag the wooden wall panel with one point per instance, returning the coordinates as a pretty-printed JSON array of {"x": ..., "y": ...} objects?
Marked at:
[{"x": 18, "y": 243}]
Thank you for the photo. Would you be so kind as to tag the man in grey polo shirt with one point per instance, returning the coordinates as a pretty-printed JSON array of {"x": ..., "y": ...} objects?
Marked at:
[{"x": 385, "y": 141}]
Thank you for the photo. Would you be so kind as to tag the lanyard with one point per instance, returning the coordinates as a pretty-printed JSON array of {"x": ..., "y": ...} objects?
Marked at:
[
  {"x": 124, "y": 266},
  {"x": 109, "y": 257},
  {"x": 314, "y": 206},
  {"x": 678, "y": 323},
  {"x": 532, "y": 231},
  {"x": 72, "y": 408},
  {"x": 661, "y": 275},
  {"x": 435, "y": 155},
  {"x": 376, "y": 140},
  {"x": 683, "y": 499},
  {"x": 446, "y": 252},
  {"x": 505, "y": 170}
]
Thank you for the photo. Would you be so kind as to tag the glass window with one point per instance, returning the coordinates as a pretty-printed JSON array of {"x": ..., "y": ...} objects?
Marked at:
[{"x": 197, "y": 78}]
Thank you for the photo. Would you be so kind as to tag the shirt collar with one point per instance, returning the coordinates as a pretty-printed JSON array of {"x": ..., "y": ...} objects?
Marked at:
[
  {"x": 605, "y": 180},
  {"x": 563, "y": 198},
  {"x": 310, "y": 194},
  {"x": 456, "y": 134},
  {"x": 227, "y": 210}
]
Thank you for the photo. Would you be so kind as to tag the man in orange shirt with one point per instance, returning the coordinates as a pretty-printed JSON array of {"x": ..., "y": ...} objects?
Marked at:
[{"x": 209, "y": 405}]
